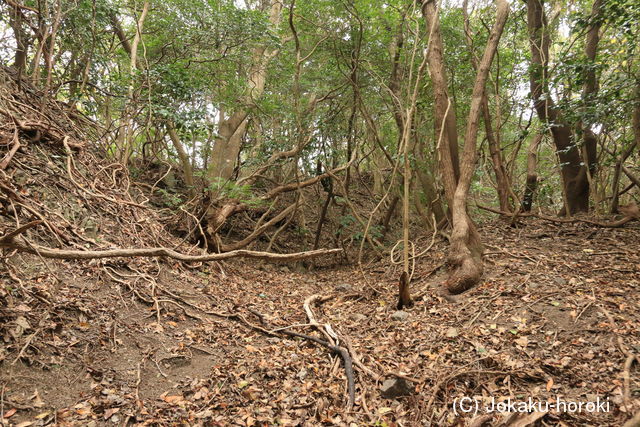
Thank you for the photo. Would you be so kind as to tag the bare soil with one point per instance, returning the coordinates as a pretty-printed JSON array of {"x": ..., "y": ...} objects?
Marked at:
[{"x": 556, "y": 316}]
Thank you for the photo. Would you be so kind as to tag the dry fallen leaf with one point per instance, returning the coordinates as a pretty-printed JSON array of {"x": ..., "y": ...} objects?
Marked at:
[{"x": 10, "y": 412}]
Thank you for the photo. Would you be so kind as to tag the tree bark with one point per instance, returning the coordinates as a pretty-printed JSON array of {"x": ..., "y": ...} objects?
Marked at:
[
  {"x": 532, "y": 173},
  {"x": 15, "y": 22},
  {"x": 183, "y": 156},
  {"x": 573, "y": 170},
  {"x": 503, "y": 183},
  {"x": 125, "y": 135},
  {"x": 446, "y": 132},
  {"x": 227, "y": 145},
  {"x": 465, "y": 253}
]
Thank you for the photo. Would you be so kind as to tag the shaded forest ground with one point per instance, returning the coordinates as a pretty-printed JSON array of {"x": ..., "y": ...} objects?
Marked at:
[
  {"x": 154, "y": 341},
  {"x": 538, "y": 326}
]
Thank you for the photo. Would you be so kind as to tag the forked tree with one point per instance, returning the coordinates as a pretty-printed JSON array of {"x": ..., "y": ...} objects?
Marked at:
[{"x": 465, "y": 252}]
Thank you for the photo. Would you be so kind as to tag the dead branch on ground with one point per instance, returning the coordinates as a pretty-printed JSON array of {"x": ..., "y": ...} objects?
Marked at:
[{"x": 631, "y": 212}]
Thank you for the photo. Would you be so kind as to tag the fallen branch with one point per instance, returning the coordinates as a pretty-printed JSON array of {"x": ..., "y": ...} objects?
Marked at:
[
  {"x": 630, "y": 358},
  {"x": 8, "y": 241},
  {"x": 615, "y": 224},
  {"x": 340, "y": 351}
]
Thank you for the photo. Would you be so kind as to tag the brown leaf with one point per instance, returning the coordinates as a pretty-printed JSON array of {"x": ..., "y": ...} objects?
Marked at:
[
  {"x": 549, "y": 384},
  {"x": 10, "y": 412},
  {"x": 109, "y": 412}
]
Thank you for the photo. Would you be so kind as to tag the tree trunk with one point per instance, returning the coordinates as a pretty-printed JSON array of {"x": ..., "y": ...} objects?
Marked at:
[
  {"x": 125, "y": 135},
  {"x": 532, "y": 173},
  {"x": 227, "y": 145},
  {"x": 446, "y": 132},
  {"x": 15, "y": 21},
  {"x": 503, "y": 183},
  {"x": 185, "y": 162},
  {"x": 465, "y": 253},
  {"x": 627, "y": 152},
  {"x": 573, "y": 170},
  {"x": 502, "y": 178}
]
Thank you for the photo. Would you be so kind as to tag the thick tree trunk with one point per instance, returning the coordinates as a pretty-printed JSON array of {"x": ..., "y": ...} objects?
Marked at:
[
  {"x": 446, "y": 132},
  {"x": 590, "y": 90},
  {"x": 573, "y": 170},
  {"x": 465, "y": 253},
  {"x": 226, "y": 147}
]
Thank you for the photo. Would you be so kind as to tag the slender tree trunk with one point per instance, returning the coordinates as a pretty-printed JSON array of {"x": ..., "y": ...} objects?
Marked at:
[
  {"x": 185, "y": 162},
  {"x": 49, "y": 57},
  {"x": 532, "y": 173},
  {"x": 126, "y": 132},
  {"x": 465, "y": 254},
  {"x": 15, "y": 22},
  {"x": 502, "y": 178},
  {"x": 625, "y": 155},
  {"x": 503, "y": 183},
  {"x": 589, "y": 92}
]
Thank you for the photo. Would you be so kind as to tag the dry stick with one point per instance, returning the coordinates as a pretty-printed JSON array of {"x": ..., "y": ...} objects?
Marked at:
[
  {"x": 10, "y": 236},
  {"x": 632, "y": 178},
  {"x": 65, "y": 143},
  {"x": 375, "y": 244},
  {"x": 346, "y": 358},
  {"x": 436, "y": 389},
  {"x": 341, "y": 351},
  {"x": 12, "y": 195},
  {"x": 30, "y": 339}
]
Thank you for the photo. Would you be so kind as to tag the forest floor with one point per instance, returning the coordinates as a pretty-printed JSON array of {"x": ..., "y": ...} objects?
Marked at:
[
  {"x": 153, "y": 341},
  {"x": 556, "y": 317}
]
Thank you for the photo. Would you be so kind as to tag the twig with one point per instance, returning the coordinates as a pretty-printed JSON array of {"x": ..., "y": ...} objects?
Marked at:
[
  {"x": 26, "y": 345},
  {"x": 628, "y": 361},
  {"x": 615, "y": 224}
]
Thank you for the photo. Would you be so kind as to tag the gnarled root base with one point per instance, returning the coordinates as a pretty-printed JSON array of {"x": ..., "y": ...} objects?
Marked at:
[
  {"x": 465, "y": 257},
  {"x": 466, "y": 271}
]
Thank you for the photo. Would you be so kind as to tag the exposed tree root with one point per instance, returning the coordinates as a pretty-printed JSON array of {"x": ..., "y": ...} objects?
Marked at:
[
  {"x": 9, "y": 241},
  {"x": 331, "y": 343}
]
